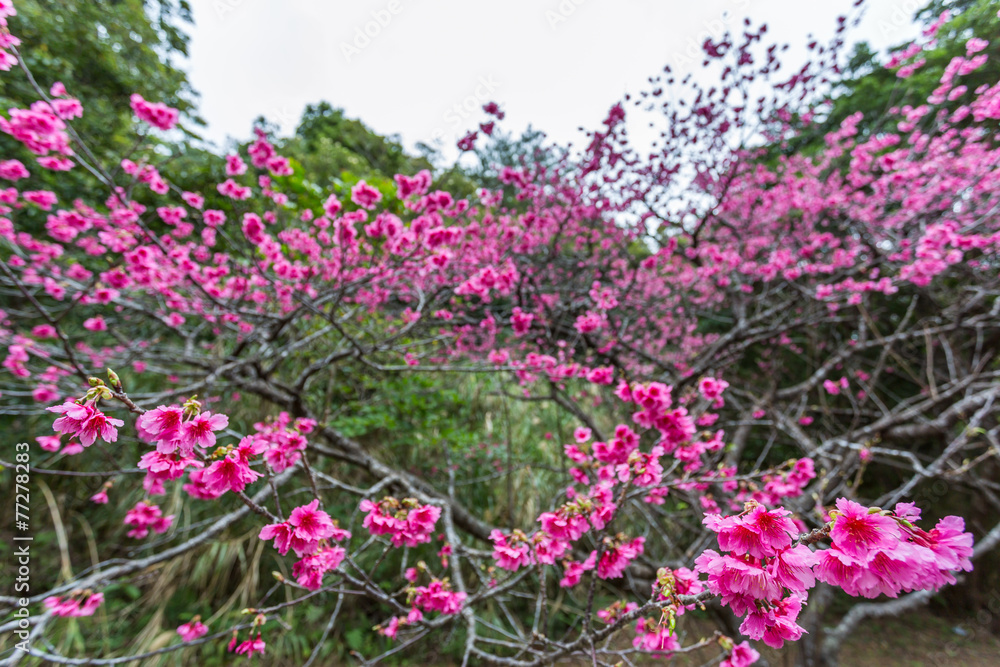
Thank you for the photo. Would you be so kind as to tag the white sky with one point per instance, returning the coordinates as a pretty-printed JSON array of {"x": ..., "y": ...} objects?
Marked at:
[{"x": 557, "y": 64}]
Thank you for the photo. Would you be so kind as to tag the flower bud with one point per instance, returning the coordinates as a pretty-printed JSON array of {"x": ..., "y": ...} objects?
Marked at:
[
  {"x": 114, "y": 379},
  {"x": 192, "y": 407}
]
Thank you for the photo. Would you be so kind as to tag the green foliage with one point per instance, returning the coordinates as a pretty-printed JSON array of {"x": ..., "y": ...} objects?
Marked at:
[
  {"x": 335, "y": 151},
  {"x": 104, "y": 50},
  {"x": 867, "y": 86},
  {"x": 505, "y": 150},
  {"x": 327, "y": 143}
]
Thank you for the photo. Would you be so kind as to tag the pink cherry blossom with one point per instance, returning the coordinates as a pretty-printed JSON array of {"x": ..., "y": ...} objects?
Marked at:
[
  {"x": 74, "y": 606},
  {"x": 858, "y": 533},
  {"x": 437, "y": 596},
  {"x": 309, "y": 571},
  {"x": 613, "y": 561},
  {"x": 365, "y": 195},
  {"x": 192, "y": 630},
  {"x": 232, "y": 472},
  {"x": 85, "y": 422},
  {"x": 13, "y": 170},
  {"x": 250, "y": 646},
  {"x": 742, "y": 655},
  {"x": 310, "y": 522},
  {"x": 655, "y": 638},
  {"x": 510, "y": 552},
  {"x": 145, "y": 517},
  {"x": 156, "y": 114},
  {"x": 200, "y": 430}
]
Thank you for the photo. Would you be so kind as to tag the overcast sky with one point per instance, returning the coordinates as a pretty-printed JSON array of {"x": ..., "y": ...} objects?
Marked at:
[{"x": 410, "y": 67}]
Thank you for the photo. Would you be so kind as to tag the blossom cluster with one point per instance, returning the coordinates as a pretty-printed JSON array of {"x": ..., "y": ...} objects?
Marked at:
[
  {"x": 193, "y": 629},
  {"x": 42, "y": 131},
  {"x": 765, "y": 572},
  {"x": 86, "y": 422},
  {"x": 77, "y": 604},
  {"x": 884, "y": 553},
  {"x": 157, "y": 114},
  {"x": 437, "y": 596},
  {"x": 248, "y": 647},
  {"x": 308, "y": 531},
  {"x": 406, "y": 521},
  {"x": 181, "y": 435},
  {"x": 146, "y": 517}
]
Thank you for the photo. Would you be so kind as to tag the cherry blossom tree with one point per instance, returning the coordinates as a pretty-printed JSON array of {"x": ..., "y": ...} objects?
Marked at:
[{"x": 771, "y": 359}]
